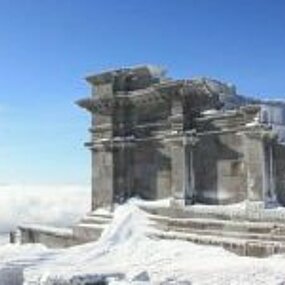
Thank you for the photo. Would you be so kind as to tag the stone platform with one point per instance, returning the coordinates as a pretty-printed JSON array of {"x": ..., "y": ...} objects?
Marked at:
[{"x": 88, "y": 229}]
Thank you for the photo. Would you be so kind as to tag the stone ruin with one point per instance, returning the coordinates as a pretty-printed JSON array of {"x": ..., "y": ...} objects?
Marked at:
[{"x": 196, "y": 142}]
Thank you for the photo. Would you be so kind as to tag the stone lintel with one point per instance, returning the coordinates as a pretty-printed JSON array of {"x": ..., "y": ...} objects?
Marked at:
[
  {"x": 239, "y": 130},
  {"x": 182, "y": 139},
  {"x": 110, "y": 144},
  {"x": 101, "y": 128}
]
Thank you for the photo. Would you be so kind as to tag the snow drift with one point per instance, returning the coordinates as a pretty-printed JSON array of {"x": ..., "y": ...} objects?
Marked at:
[{"x": 124, "y": 255}]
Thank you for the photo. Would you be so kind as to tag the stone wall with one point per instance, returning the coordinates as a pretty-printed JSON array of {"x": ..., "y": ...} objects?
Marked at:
[
  {"x": 152, "y": 170},
  {"x": 53, "y": 238},
  {"x": 102, "y": 178},
  {"x": 219, "y": 169},
  {"x": 279, "y": 156},
  {"x": 273, "y": 114}
]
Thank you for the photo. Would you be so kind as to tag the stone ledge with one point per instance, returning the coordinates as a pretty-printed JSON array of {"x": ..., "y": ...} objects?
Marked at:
[{"x": 50, "y": 236}]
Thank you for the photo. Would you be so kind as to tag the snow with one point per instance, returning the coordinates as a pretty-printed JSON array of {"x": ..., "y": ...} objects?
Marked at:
[
  {"x": 210, "y": 112},
  {"x": 125, "y": 255},
  {"x": 15, "y": 258},
  {"x": 162, "y": 203}
]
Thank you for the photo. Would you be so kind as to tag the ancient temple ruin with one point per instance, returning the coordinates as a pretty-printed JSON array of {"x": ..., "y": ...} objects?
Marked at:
[
  {"x": 194, "y": 140},
  {"x": 216, "y": 157}
]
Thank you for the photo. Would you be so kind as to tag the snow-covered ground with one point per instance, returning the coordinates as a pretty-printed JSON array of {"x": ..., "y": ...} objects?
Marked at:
[{"x": 124, "y": 255}]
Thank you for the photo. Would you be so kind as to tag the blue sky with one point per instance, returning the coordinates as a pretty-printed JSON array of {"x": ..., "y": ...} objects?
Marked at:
[{"x": 48, "y": 47}]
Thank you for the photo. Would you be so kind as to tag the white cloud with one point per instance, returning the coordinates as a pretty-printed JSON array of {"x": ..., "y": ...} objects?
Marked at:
[{"x": 57, "y": 205}]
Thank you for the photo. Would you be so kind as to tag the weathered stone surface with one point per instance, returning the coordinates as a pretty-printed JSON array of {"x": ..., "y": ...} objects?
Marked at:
[{"x": 141, "y": 132}]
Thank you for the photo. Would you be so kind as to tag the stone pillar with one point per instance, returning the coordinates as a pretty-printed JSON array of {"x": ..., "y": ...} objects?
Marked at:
[
  {"x": 123, "y": 169},
  {"x": 181, "y": 144},
  {"x": 102, "y": 176},
  {"x": 270, "y": 168},
  {"x": 255, "y": 166},
  {"x": 272, "y": 174},
  {"x": 179, "y": 170},
  {"x": 192, "y": 191},
  {"x": 259, "y": 166},
  {"x": 102, "y": 162},
  {"x": 182, "y": 173}
]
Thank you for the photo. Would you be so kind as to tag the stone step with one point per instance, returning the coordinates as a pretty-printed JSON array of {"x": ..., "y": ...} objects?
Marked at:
[
  {"x": 245, "y": 247},
  {"x": 192, "y": 213},
  {"x": 232, "y": 234},
  {"x": 105, "y": 214},
  {"x": 86, "y": 232},
  {"x": 251, "y": 211},
  {"x": 219, "y": 225},
  {"x": 244, "y": 238},
  {"x": 50, "y": 236},
  {"x": 95, "y": 220},
  {"x": 92, "y": 225}
]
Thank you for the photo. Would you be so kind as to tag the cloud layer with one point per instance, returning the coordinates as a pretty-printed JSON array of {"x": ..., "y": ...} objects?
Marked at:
[{"x": 59, "y": 205}]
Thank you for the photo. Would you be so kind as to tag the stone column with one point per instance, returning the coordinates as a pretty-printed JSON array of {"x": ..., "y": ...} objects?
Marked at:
[
  {"x": 270, "y": 168},
  {"x": 102, "y": 176},
  {"x": 179, "y": 170},
  {"x": 192, "y": 191},
  {"x": 102, "y": 162},
  {"x": 123, "y": 169},
  {"x": 272, "y": 173},
  {"x": 255, "y": 166},
  {"x": 181, "y": 143},
  {"x": 259, "y": 166},
  {"x": 182, "y": 173}
]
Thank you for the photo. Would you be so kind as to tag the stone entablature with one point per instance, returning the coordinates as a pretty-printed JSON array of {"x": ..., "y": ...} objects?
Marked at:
[{"x": 186, "y": 90}]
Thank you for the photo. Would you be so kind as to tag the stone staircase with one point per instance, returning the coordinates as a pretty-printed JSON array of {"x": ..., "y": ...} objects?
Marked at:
[
  {"x": 91, "y": 226},
  {"x": 244, "y": 238},
  {"x": 248, "y": 238}
]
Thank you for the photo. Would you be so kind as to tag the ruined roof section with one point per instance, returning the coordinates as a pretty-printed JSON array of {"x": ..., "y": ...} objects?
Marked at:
[
  {"x": 147, "y": 85},
  {"x": 197, "y": 93},
  {"x": 126, "y": 79}
]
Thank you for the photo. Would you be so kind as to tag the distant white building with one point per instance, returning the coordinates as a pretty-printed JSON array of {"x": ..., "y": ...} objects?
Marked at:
[{"x": 273, "y": 114}]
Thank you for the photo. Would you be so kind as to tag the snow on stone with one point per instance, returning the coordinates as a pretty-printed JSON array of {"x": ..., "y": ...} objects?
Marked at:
[
  {"x": 162, "y": 203},
  {"x": 15, "y": 258},
  {"x": 48, "y": 229},
  {"x": 210, "y": 112},
  {"x": 124, "y": 255}
]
